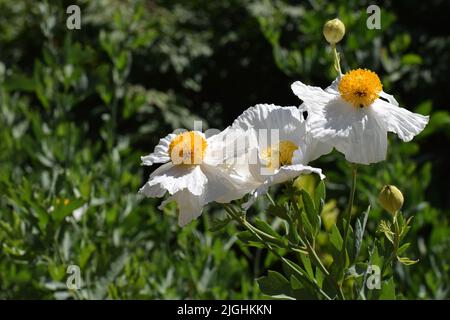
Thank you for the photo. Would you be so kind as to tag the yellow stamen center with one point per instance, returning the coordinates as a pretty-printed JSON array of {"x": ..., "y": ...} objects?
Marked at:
[
  {"x": 279, "y": 154},
  {"x": 360, "y": 87},
  {"x": 187, "y": 148}
]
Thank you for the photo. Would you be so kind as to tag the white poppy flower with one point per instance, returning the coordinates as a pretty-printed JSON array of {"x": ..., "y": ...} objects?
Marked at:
[
  {"x": 282, "y": 145},
  {"x": 196, "y": 171},
  {"x": 354, "y": 115}
]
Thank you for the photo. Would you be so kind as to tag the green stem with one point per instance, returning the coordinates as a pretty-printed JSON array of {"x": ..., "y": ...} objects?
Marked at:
[
  {"x": 397, "y": 234},
  {"x": 259, "y": 234},
  {"x": 270, "y": 198},
  {"x": 316, "y": 260},
  {"x": 331, "y": 280},
  {"x": 348, "y": 216},
  {"x": 337, "y": 60}
]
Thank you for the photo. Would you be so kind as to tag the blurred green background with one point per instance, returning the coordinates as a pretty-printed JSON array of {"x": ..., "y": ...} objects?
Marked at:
[{"x": 79, "y": 107}]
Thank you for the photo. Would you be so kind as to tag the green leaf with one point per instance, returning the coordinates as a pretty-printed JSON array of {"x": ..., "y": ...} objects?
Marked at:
[
  {"x": 411, "y": 59},
  {"x": 218, "y": 224},
  {"x": 42, "y": 215},
  {"x": 295, "y": 283},
  {"x": 359, "y": 231},
  {"x": 307, "y": 265},
  {"x": 299, "y": 291},
  {"x": 293, "y": 235},
  {"x": 256, "y": 244},
  {"x": 265, "y": 227},
  {"x": 320, "y": 195},
  {"x": 57, "y": 272},
  {"x": 13, "y": 250},
  {"x": 404, "y": 226},
  {"x": 387, "y": 290},
  {"x": 319, "y": 277},
  {"x": 85, "y": 187},
  {"x": 336, "y": 238},
  {"x": 274, "y": 284},
  {"x": 290, "y": 268},
  {"x": 385, "y": 228},
  {"x": 310, "y": 209},
  {"x": 307, "y": 226},
  {"x": 278, "y": 211},
  {"x": 246, "y": 236},
  {"x": 308, "y": 204},
  {"x": 19, "y": 82},
  {"x": 403, "y": 248},
  {"x": 85, "y": 254},
  {"x": 407, "y": 261}
]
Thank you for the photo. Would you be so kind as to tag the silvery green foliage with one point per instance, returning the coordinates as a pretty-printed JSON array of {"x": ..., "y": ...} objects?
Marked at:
[{"x": 78, "y": 108}]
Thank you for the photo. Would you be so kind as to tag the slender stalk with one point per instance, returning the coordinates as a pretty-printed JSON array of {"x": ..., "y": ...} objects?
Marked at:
[
  {"x": 316, "y": 260},
  {"x": 337, "y": 60},
  {"x": 396, "y": 234},
  {"x": 348, "y": 215},
  {"x": 270, "y": 198},
  {"x": 259, "y": 234}
]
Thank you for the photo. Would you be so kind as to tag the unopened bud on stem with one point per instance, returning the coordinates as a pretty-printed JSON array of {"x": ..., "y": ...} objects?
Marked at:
[
  {"x": 391, "y": 199},
  {"x": 334, "y": 31}
]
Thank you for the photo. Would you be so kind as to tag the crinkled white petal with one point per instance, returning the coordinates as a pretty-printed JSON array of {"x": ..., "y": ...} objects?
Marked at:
[
  {"x": 356, "y": 132},
  {"x": 334, "y": 86},
  {"x": 218, "y": 187},
  {"x": 161, "y": 152},
  {"x": 226, "y": 146},
  {"x": 242, "y": 173},
  {"x": 310, "y": 149},
  {"x": 227, "y": 159},
  {"x": 312, "y": 96},
  {"x": 263, "y": 118},
  {"x": 284, "y": 174},
  {"x": 224, "y": 185},
  {"x": 155, "y": 190},
  {"x": 152, "y": 191},
  {"x": 401, "y": 121},
  {"x": 189, "y": 206},
  {"x": 389, "y": 98},
  {"x": 174, "y": 178},
  {"x": 359, "y": 133}
]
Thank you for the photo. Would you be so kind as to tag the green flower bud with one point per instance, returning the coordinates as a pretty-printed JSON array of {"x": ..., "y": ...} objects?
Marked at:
[
  {"x": 391, "y": 199},
  {"x": 334, "y": 31}
]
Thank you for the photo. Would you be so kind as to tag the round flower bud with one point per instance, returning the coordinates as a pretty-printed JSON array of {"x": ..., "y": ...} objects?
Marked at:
[
  {"x": 334, "y": 31},
  {"x": 391, "y": 199}
]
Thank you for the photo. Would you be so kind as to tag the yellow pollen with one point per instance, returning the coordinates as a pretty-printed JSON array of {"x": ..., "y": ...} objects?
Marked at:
[
  {"x": 279, "y": 154},
  {"x": 360, "y": 87},
  {"x": 187, "y": 148}
]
